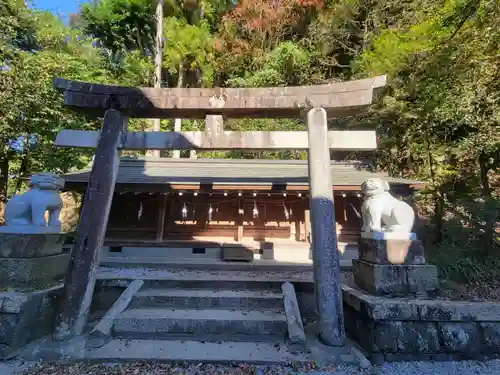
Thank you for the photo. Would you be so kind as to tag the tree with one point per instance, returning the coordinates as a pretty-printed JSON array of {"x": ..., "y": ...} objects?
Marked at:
[{"x": 442, "y": 110}]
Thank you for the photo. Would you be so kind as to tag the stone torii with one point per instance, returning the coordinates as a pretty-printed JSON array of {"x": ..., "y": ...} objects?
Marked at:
[{"x": 118, "y": 103}]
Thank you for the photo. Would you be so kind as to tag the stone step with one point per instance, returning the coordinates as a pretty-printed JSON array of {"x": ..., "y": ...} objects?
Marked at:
[
  {"x": 201, "y": 264},
  {"x": 214, "y": 285},
  {"x": 207, "y": 299},
  {"x": 215, "y": 280},
  {"x": 225, "y": 352},
  {"x": 201, "y": 325}
]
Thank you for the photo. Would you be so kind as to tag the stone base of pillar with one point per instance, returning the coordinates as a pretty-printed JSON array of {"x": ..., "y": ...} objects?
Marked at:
[{"x": 391, "y": 264}]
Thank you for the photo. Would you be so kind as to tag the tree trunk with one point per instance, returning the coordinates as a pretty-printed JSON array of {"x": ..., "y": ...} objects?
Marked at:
[
  {"x": 178, "y": 122},
  {"x": 23, "y": 171},
  {"x": 4, "y": 173},
  {"x": 438, "y": 199},
  {"x": 490, "y": 216},
  {"x": 158, "y": 64},
  {"x": 4, "y": 183}
]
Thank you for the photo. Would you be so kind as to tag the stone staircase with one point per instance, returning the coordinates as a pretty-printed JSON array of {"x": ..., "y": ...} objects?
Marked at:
[
  {"x": 220, "y": 317},
  {"x": 206, "y": 311}
]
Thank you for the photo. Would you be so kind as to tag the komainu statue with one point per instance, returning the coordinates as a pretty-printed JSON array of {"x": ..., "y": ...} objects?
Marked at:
[
  {"x": 28, "y": 209},
  {"x": 381, "y": 212}
]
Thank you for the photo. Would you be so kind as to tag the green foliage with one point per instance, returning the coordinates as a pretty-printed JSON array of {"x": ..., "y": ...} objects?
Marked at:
[
  {"x": 120, "y": 25},
  {"x": 438, "y": 120},
  {"x": 190, "y": 45},
  {"x": 287, "y": 64}
]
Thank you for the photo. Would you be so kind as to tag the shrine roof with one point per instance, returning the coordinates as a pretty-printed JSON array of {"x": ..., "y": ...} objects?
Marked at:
[{"x": 233, "y": 172}]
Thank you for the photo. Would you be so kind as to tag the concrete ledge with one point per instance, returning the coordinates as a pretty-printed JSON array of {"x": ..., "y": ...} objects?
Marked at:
[
  {"x": 32, "y": 271},
  {"x": 413, "y": 329}
]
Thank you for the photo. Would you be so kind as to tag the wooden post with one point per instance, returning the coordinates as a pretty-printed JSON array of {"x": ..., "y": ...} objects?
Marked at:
[
  {"x": 239, "y": 235},
  {"x": 161, "y": 218},
  {"x": 307, "y": 224},
  {"x": 326, "y": 266},
  {"x": 298, "y": 230},
  {"x": 80, "y": 278}
]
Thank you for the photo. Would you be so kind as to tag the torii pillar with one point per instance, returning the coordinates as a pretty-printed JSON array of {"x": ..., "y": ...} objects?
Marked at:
[{"x": 323, "y": 232}]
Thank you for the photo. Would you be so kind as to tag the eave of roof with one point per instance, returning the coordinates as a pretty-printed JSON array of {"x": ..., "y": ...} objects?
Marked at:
[{"x": 234, "y": 172}]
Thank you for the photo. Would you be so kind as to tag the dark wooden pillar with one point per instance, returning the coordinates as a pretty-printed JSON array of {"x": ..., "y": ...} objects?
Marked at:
[
  {"x": 298, "y": 230},
  {"x": 324, "y": 237},
  {"x": 161, "y": 218},
  {"x": 81, "y": 275}
]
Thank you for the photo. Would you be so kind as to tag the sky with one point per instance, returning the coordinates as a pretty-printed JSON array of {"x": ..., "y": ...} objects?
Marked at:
[{"x": 60, "y": 7}]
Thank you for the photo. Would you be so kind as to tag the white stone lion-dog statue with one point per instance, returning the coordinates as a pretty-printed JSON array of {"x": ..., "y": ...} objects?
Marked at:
[
  {"x": 381, "y": 212},
  {"x": 29, "y": 208}
]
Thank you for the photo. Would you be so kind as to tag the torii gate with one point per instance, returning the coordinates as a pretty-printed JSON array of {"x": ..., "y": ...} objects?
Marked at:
[{"x": 118, "y": 103}]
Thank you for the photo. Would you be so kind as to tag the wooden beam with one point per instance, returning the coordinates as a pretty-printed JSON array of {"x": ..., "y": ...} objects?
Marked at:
[
  {"x": 242, "y": 187},
  {"x": 335, "y": 187},
  {"x": 339, "y": 99},
  {"x": 256, "y": 140},
  {"x": 81, "y": 276}
]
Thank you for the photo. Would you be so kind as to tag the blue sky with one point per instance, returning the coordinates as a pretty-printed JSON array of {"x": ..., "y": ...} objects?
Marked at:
[{"x": 60, "y": 7}]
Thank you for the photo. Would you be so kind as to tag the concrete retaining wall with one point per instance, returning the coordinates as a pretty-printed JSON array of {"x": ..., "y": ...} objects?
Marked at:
[
  {"x": 392, "y": 329},
  {"x": 25, "y": 317}
]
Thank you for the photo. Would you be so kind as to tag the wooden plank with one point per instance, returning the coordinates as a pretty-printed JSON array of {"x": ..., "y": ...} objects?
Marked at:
[
  {"x": 101, "y": 334},
  {"x": 256, "y": 140},
  {"x": 80, "y": 278}
]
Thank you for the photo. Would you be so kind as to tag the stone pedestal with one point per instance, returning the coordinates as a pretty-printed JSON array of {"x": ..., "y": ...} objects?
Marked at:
[
  {"x": 393, "y": 264},
  {"x": 31, "y": 259}
]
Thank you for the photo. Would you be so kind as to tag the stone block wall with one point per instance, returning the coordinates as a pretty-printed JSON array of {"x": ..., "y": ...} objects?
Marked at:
[
  {"x": 26, "y": 316},
  {"x": 392, "y": 329}
]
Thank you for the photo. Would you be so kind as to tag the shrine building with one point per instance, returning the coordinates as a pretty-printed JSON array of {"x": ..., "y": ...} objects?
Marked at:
[{"x": 175, "y": 207}]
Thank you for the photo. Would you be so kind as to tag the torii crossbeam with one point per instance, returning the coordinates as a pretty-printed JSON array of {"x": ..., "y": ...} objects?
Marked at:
[{"x": 118, "y": 103}]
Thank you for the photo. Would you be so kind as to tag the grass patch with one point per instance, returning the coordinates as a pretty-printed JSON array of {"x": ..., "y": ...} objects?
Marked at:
[{"x": 465, "y": 266}]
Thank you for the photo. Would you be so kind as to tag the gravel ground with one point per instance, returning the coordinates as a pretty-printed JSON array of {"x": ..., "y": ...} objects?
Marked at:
[{"x": 400, "y": 368}]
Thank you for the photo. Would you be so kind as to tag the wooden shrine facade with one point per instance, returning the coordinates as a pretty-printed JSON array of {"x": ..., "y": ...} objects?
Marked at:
[{"x": 163, "y": 200}]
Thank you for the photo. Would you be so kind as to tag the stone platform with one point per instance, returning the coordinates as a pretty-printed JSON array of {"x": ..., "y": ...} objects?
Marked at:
[{"x": 401, "y": 329}]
